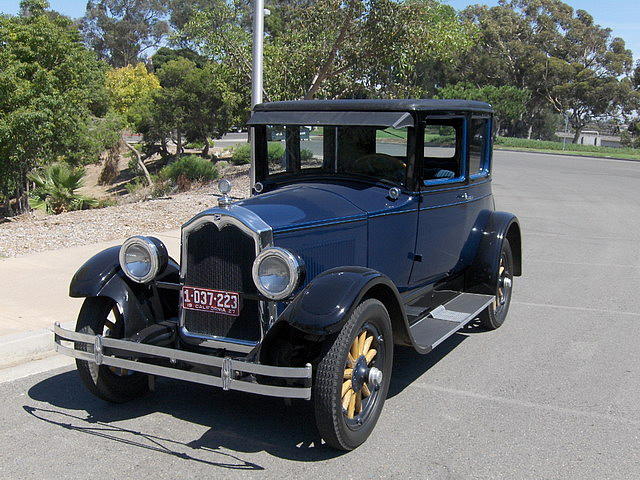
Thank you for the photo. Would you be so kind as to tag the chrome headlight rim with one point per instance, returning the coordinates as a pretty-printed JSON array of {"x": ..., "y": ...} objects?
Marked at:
[
  {"x": 156, "y": 250},
  {"x": 294, "y": 265}
]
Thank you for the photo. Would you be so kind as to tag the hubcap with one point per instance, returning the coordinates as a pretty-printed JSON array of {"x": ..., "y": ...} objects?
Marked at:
[
  {"x": 504, "y": 283},
  {"x": 361, "y": 379}
]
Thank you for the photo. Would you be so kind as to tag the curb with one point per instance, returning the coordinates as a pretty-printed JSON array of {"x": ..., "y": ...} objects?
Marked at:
[{"x": 23, "y": 347}]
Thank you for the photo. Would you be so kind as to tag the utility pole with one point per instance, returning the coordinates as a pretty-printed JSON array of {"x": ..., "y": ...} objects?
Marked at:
[
  {"x": 256, "y": 76},
  {"x": 258, "y": 42}
]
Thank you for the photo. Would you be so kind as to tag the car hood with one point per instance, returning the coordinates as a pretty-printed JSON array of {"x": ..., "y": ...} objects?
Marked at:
[{"x": 303, "y": 205}]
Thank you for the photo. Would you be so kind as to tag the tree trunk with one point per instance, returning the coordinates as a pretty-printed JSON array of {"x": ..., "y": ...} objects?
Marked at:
[
  {"x": 576, "y": 135},
  {"x": 178, "y": 144},
  {"x": 324, "y": 71},
  {"x": 496, "y": 128},
  {"x": 141, "y": 164},
  {"x": 530, "y": 131},
  {"x": 163, "y": 144},
  {"x": 205, "y": 150}
]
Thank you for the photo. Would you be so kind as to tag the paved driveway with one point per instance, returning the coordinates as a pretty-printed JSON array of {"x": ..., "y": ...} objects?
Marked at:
[{"x": 552, "y": 394}]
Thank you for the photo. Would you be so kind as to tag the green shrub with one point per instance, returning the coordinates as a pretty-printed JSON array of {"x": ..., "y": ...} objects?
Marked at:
[
  {"x": 241, "y": 154},
  {"x": 55, "y": 190},
  {"x": 305, "y": 155},
  {"x": 135, "y": 185},
  {"x": 134, "y": 166},
  {"x": 190, "y": 167},
  {"x": 275, "y": 152},
  {"x": 195, "y": 145}
]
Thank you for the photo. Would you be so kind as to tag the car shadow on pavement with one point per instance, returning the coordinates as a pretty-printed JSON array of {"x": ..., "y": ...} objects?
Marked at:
[
  {"x": 409, "y": 365},
  {"x": 236, "y": 423}
]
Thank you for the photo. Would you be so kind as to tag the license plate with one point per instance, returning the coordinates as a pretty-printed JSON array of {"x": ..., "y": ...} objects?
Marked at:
[{"x": 207, "y": 300}]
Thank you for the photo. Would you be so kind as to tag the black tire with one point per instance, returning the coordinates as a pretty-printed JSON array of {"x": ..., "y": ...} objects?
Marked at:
[
  {"x": 103, "y": 381},
  {"x": 334, "y": 425},
  {"x": 496, "y": 313}
]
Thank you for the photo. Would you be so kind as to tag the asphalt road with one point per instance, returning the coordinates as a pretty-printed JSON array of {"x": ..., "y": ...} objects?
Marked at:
[{"x": 553, "y": 394}]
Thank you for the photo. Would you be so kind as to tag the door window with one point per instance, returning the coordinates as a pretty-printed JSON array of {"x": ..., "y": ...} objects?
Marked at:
[
  {"x": 478, "y": 137},
  {"x": 441, "y": 162}
]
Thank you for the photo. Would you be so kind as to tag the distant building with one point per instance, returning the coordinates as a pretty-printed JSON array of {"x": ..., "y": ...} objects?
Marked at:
[{"x": 592, "y": 137}]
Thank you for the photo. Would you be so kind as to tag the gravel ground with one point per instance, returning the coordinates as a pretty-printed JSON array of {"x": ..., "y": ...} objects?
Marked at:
[{"x": 38, "y": 232}]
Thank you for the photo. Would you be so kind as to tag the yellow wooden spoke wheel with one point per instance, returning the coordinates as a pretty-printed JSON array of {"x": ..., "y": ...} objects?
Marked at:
[
  {"x": 358, "y": 372},
  {"x": 352, "y": 379}
]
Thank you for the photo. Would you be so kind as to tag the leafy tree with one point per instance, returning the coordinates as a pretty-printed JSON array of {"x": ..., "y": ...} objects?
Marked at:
[
  {"x": 570, "y": 64},
  {"x": 335, "y": 48},
  {"x": 165, "y": 54},
  {"x": 121, "y": 31},
  {"x": 30, "y": 8},
  {"x": 509, "y": 103},
  {"x": 52, "y": 98},
  {"x": 130, "y": 89},
  {"x": 129, "y": 85},
  {"x": 193, "y": 103}
]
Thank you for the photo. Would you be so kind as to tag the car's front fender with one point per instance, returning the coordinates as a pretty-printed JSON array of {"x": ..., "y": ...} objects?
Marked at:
[
  {"x": 325, "y": 304},
  {"x": 102, "y": 276}
]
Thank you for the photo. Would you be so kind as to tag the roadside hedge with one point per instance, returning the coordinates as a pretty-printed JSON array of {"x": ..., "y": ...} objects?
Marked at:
[{"x": 570, "y": 147}]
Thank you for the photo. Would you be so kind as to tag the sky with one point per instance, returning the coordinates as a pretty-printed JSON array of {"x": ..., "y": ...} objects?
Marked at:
[{"x": 622, "y": 16}]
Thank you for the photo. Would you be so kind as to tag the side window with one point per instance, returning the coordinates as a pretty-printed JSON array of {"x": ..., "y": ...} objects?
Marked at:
[
  {"x": 441, "y": 152},
  {"x": 478, "y": 130}
]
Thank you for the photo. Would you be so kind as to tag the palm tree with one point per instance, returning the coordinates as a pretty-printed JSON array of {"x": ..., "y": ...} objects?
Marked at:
[{"x": 55, "y": 190}]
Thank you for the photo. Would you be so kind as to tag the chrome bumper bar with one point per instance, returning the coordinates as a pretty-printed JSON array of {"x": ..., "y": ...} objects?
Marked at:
[{"x": 231, "y": 370}]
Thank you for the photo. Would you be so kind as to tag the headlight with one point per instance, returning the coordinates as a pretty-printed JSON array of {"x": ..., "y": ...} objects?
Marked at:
[
  {"x": 142, "y": 258},
  {"x": 277, "y": 273}
]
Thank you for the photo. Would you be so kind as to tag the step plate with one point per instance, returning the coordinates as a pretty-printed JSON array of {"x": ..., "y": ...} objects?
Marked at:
[{"x": 445, "y": 320}]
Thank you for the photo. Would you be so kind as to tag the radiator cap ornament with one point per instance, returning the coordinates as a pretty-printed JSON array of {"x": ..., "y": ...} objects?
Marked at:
[{"x": 224, "y": 186}]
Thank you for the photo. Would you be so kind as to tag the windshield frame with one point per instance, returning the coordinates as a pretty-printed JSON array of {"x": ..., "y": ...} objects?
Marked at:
[{"x": 270, "y": 181}]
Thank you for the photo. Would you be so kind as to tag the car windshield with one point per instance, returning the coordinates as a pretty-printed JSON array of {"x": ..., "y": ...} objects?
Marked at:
[{"x": 378, "y": 153}]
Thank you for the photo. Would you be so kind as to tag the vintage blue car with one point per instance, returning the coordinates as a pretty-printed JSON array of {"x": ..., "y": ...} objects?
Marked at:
[{"x": 376, "y": 228}]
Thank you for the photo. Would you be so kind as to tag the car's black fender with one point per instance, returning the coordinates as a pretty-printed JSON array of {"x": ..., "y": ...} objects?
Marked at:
[
  {"x": 481, "y": 275},
  {"x": 325, "y": 304},
  {"x": 101, "y": 276}
]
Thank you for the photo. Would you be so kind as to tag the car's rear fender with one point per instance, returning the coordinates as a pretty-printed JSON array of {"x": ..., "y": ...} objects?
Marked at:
[
  {"x": 481, "y": 275},
  {"x": 140, "y": 305},
  {"x": 325, "y": 304}
]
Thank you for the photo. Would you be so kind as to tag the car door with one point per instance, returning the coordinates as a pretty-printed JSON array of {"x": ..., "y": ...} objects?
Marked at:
[
  {"x": 443, "y": 197},
  {"x": 480, "y": 199}
]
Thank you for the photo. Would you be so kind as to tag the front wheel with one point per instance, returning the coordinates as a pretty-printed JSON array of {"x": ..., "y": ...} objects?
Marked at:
[
  {"x": 100, "y": 316},
  {"x": 352, "y": 379}
]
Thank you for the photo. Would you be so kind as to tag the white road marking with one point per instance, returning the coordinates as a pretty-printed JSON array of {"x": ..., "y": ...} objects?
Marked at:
[
  {"x": 523, "y": 403},
  {"x": 586, "y": 264},
  {"x": 582, "y": 309}
]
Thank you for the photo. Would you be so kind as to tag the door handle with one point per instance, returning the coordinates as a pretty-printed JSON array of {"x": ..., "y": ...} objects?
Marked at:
[{"x": 465, "y": 196}]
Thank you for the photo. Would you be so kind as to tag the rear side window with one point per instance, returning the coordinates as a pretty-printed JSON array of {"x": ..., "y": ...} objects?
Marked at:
[
  {"x": 441, "y": 160},
  {"x": 478, "y": 133}
]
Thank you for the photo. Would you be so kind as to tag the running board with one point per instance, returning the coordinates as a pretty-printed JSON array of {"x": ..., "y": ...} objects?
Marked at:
[{"x": 443, "y": 321}]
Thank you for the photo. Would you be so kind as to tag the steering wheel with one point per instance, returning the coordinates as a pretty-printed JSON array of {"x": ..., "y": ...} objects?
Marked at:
[{"x": 379, "y": 165}]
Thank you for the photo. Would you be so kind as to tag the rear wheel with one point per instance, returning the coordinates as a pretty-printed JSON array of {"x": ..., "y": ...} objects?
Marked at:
[
  {"x": 352, "y": 379},
  {"x": 496, "y": 313},
  {"x": 100, "y": 316}
]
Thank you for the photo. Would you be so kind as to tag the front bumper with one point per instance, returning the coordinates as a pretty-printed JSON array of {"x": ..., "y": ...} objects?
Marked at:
[{"x": 234, "y": 374}]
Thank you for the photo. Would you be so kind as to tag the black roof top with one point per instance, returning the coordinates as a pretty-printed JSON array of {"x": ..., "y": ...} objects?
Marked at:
[{"x": 377, "y": 105}]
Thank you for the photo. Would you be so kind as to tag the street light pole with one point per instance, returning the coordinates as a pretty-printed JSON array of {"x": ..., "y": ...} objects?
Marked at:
[
  {"x": 258, "y": 41},
  {"x": 256, "y": 76}
]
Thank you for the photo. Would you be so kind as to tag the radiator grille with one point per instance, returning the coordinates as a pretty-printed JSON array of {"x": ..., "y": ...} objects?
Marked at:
[{"x": 222, "y": 260}]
